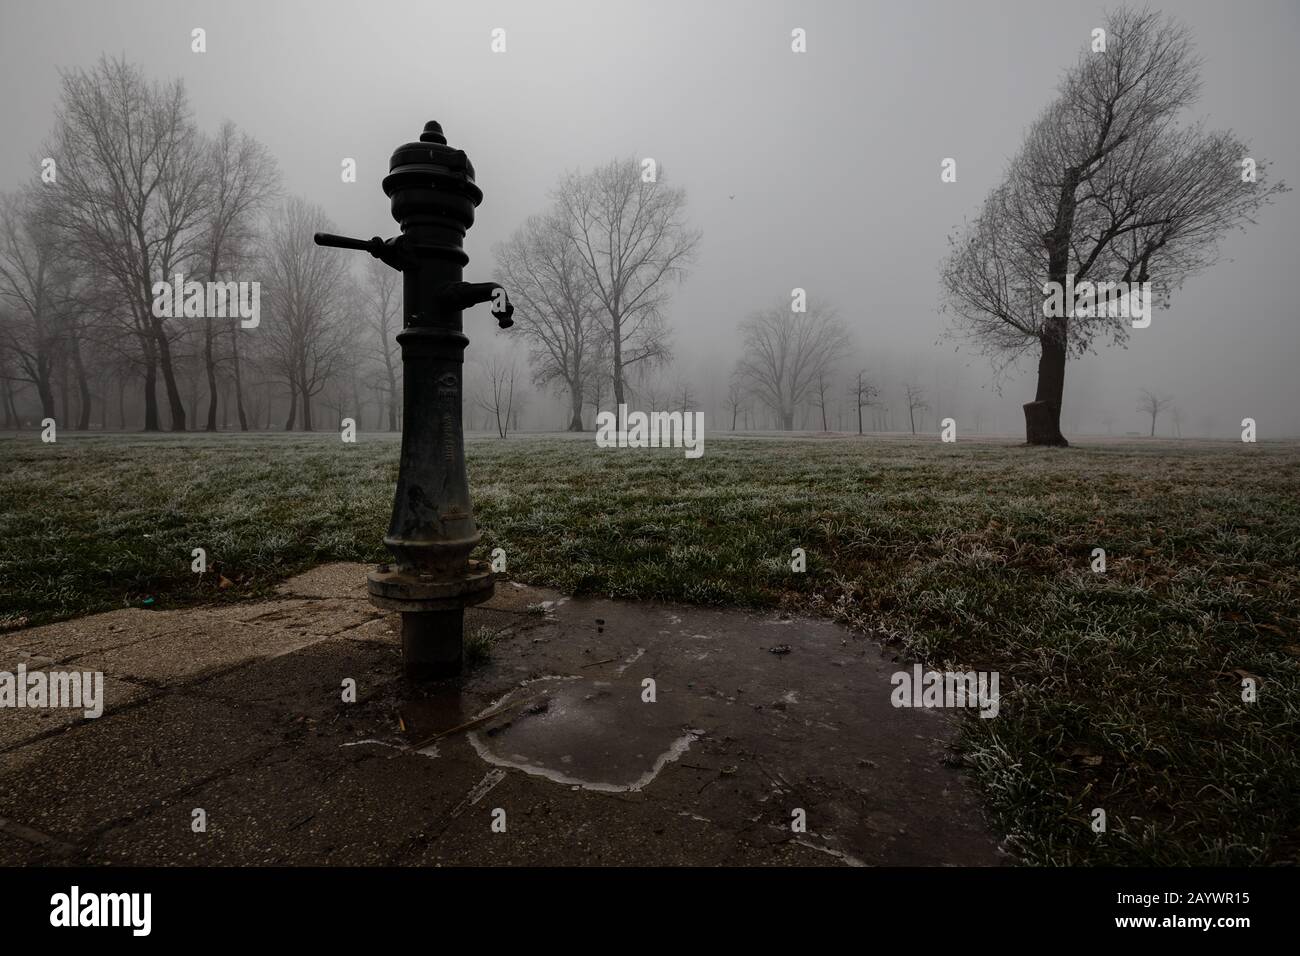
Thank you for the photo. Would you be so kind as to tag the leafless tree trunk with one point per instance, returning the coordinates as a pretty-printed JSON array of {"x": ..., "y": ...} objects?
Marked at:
[
  {"x": 83, "y": 383},
  {"x": 237, "y": 371}
]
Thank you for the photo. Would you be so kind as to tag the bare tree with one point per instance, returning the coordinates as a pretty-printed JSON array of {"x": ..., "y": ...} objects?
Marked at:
[
  {"x": 735, "y": 400},
  {"x": 341, "y": 394},
  {"x": 306, "y": 334},
  {"x": 243, "y": 178},
  {"x": 544, "y": 271},
  {"x": 36, "y": 293},
  {"x": 915, "y": 403},
  {"x": 11, "y": 382},
  {"x": 683, "y": 396},
  {"x": 786, "y": 351},
  {"x": 134, "y": 184},
  {"x": 821, "y": 387},
  {"x": 1106, "y": 188},
  {"x": 1178, "y": 418},
  {"x": 1153, "y": 405},
  {"x": 652, "y": 394},
  {"x": 498, "y": 397},
  {"x": 633, "y": 243},
  {"x": 383, "y": 305},
  {"x": 864, "y": 393}
]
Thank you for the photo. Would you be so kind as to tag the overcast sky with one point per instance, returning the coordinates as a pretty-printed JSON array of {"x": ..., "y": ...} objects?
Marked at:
[{"x": 832, "y": 156}]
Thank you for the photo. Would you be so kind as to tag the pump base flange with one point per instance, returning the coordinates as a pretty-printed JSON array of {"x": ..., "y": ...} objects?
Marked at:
[{"x": 410, "y": 591}]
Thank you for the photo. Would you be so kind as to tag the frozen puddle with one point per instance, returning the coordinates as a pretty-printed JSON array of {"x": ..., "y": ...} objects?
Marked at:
[
  {"x": 583, "y": 732},
  {"x": 428, "y": 751}
]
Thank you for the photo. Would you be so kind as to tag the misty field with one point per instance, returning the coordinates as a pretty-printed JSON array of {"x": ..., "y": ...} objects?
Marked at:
[{"x": 1120, "y": 690}]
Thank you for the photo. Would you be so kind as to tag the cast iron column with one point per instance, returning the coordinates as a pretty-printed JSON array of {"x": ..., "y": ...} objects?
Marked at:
[{"x": 432, "y": 531}]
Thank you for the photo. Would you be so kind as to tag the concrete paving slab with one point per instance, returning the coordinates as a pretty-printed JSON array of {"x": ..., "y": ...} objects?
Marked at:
[
  {"x": 357, "y": 807},
  {"x": 381, "y": 630},
  {"x": 21, "y": 724},
  {"x": 216, "y": 640},
  {"x": 102, "y": 771},
  {"x": 309, "y": 681},
  {"x": 610, "y": 732},
  {"x": 311, "y": 617},
  {"x": 328, "y": 581},
  {"x": 98, "y": 632}
]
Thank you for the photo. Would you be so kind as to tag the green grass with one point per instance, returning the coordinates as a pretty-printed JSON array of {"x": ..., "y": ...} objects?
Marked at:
[
  {"x": 478, "y": 645},
  {"x": 1119, "y": 690}
]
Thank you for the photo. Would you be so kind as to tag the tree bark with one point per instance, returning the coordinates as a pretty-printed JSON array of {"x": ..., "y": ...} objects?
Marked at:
[
  {"x": 210, "y": 364},
  {"x": 293, "y": 405},
  {"x": 45, "y": 388},
  {"x": 575, "y": 416},
  {"x": 83, "y": 386},
  {"x": 239, "y": 382},
  {"x": 392, "y": 390},
  {"x": 64, "y": 405},
  {"x": 617, "y": 344},
  {"x": 151, "y": 398},
  {"x": 1043, "y": 414},
  {"x": 169, "y": 378}
]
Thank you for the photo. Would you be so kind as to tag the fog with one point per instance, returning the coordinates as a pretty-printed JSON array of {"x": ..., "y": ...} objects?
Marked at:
[{"x": 818, "y": 171}]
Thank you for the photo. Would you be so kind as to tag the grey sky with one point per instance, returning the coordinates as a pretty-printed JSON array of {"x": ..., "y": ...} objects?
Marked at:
[{"x": 832, "y": 156}]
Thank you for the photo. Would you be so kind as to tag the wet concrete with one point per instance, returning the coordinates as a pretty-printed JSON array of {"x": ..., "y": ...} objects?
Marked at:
[
  {"x": 593, "y": 734},
  {"x": 599, "y": 732}
]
